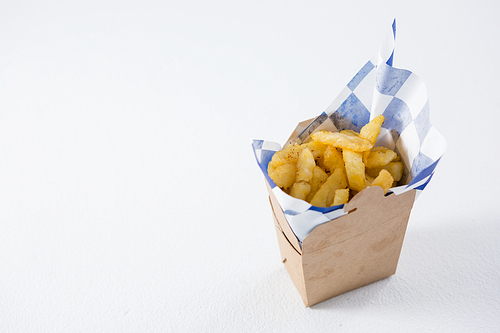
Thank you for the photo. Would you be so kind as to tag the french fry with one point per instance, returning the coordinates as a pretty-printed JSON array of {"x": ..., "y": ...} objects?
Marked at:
[
  {"x": 371, "y": 130},
  {"x": 355, "y": 169},
  {"x": 341, "y": 197},
  {"x": 305, "y": 166},
  {"x": 300, "y": 190},
  {"x": 284, "y": 175},
  {"x": 319, "y": 178},
  {"x": 290, "y": 154},
  {"x": 395, "y": 169},
  {"x": 332, "y": 159},
  {"x": 317, "y": 149},
  {"x": 342, "y": 140},
  {"x": 349, "y": 132},
  {"x": 384, "y": 180},
  {"x": 380, "y": 157}
]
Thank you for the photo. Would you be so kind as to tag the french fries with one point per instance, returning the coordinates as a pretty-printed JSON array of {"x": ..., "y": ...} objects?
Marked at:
[
  {"x": 324, "y": 197},
  {"x": 334, "y": 166}
]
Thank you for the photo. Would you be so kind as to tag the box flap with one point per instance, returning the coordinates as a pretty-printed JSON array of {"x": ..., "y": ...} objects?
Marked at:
[{"x": 367, "y": 210}]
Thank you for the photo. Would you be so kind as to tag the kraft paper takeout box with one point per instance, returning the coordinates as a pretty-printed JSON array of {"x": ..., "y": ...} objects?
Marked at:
[
  {"x": 330, "y": 251},
  {"x": 348, "y": 252}
]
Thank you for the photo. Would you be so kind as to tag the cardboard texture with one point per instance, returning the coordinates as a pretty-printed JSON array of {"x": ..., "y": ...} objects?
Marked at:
[{"x": 348, "y": 252}]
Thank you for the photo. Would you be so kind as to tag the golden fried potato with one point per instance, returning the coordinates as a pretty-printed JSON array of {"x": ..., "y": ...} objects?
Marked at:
[
  {"x": 319, "y": 178},
  {"x": 341, "y": 197},
  {"x": 384, "y": 180},
  {"x": 332, "y": 159},
  {"x": 290, "y": 154},
  {"x": 355, "y": 169},
  {"x": 395, "y": 169},
  {"x": 371, "y": 130},
  {"x": 380, "y": 157},
  {"x": 325, "y": 194},
  {"x": 305, "y": 166},
  {"x": 349, "y": 132},
  {"x": 284, "y": 175},
  {"x": 334, "y": 166},
  {"x": 366, "y": 154},
  {"x": 316, "y": 148},
  {"x": 342, "y": 140},
  {"x": 300, "y": 190}
]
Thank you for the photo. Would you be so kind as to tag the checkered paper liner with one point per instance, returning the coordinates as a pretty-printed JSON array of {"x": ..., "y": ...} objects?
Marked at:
[{"x": 377, "y": 88}]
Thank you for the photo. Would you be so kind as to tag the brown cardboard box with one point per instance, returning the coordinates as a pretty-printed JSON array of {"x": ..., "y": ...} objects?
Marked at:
[
  {"x": 348, "y": 252},
  {"x": 362, "y": 244}
]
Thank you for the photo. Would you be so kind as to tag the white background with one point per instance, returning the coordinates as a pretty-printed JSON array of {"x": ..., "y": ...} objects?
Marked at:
[{"x": 130, "y": 199}]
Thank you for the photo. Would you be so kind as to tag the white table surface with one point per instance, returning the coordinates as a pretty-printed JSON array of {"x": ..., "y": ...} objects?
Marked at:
[{"x": 130, "y": 200}]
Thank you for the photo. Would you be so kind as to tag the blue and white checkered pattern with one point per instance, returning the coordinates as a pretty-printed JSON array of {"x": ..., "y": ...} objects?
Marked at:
[{"x": 378, "y": 88}]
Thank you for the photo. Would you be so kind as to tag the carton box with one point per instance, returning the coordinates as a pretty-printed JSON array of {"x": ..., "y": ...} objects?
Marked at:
[
  {"x": 349, "y": 252},
  {"x": 332, "y": 250}
]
